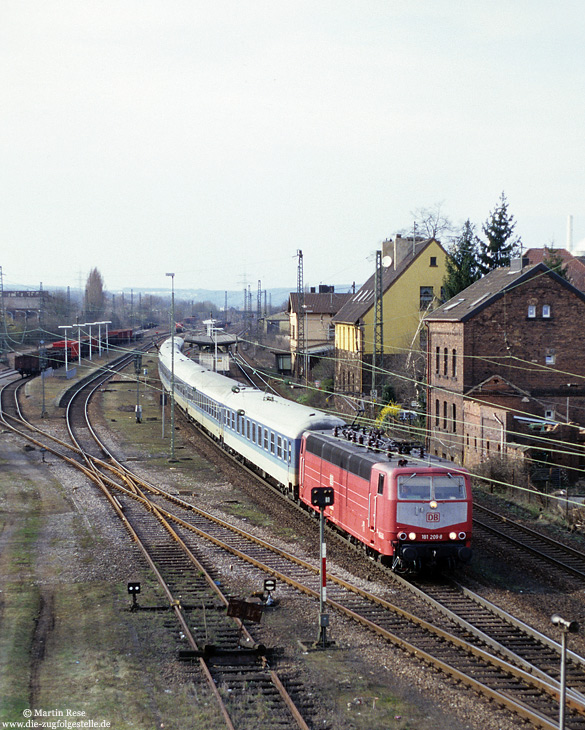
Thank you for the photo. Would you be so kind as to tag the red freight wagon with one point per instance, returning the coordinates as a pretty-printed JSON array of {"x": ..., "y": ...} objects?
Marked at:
[
  {"x": 119, "y": 337},
  {"x": 411, "y": 510}
]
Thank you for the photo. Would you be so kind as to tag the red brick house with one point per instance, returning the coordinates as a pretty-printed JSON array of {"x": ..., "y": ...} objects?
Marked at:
[
  {"x": 575, "y": 266},
  {"x": 506, "y": 365}
]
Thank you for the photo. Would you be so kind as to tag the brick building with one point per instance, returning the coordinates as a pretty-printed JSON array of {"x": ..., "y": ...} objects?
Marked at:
[{"x": 506, "y": 361}]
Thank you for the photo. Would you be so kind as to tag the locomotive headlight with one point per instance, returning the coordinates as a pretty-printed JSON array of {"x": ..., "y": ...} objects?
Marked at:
[
  {"x": 433, "y": 504},
  {"x": 402, "y": 535},
  {"x": 412, "y": 535},
  {"x": 452, "y": 536},
  {"x": 462, "y": 536}
]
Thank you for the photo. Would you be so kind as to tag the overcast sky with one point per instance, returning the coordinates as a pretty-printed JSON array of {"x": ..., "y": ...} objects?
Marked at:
[{"x": 214, "y": 139}]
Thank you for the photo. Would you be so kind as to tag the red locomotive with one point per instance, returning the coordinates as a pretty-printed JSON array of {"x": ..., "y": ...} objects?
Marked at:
[{"x": 412, "y": 510}]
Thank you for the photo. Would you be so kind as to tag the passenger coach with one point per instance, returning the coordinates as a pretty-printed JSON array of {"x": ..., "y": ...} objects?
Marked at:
[{"x": 264, "y": 429}]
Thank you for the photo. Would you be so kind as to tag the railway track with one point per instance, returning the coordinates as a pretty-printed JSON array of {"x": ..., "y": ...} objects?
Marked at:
[
  {"x": 238, "y": 672},
  {"x": 563, "y": 557},
  {"x": 446, "y": 645}
]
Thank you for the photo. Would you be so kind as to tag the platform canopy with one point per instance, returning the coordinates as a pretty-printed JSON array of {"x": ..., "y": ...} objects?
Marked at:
[{"x": 207, "y": 341}]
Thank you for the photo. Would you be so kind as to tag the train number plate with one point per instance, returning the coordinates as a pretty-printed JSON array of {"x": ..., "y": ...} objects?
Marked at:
[{"x": 433, "y": 536}]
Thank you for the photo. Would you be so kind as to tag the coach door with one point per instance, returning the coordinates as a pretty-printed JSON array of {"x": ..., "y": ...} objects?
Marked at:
[{"x": 376, "y": 492}]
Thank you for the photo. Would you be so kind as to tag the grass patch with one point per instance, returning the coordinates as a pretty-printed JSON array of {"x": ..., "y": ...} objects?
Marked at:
[
  {"x": 19, "y": 611},
  {"x": 355, "y": 700}
]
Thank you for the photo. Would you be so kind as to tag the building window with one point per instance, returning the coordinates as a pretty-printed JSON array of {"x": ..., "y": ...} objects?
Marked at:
[
  {"x": 531, "y": 311},
  {"x": 546, "y": 311},
  {"x": 549, "y": 359},
  {"x": 454, "y": 411},
  {"x": 445, "y": 415},
  {"x": 437, "y": 412},
  {"x": 445, "y": 361},
  {"x": 437, "y": 360},
  {"x": 426, "y": 296},
  {"x": 433, "y": 261},
  {"x": 454, "y": 363},
  {"x": 549, "y": 413}
]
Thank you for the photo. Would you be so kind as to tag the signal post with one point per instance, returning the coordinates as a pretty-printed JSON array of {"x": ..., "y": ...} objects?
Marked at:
[{"x": 322, "y": 497}]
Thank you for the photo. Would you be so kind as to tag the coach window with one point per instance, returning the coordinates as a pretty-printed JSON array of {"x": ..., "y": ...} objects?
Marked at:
[
  {"x": 272, "y": 442},
  {"x": 259, "y": 435},
  {"x": 248, "y": 428},
  {"x": 266, "y": 439},
  {"x": 380, "y": 483},
  {"x": 289, "y": 452},
  {"x": 279, "y": 447},
  {"x": 254, "y": 432}
]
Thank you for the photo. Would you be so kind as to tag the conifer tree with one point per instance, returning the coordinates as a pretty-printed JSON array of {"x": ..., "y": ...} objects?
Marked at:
[
  {"x": 500, "y": 245},
  {"x": 462, "y": 267},
  {"x": 554, "y": 261}
]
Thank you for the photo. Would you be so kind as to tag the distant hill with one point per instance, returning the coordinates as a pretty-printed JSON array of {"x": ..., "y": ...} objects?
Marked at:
[{"x": 277, "y": 297}]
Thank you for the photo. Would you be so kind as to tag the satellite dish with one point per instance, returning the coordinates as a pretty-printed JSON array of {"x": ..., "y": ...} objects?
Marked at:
[{"x": 387, "y": 261}]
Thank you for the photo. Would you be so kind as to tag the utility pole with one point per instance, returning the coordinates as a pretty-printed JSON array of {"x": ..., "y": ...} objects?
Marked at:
[
  {"x": 258, "y": 310},
  {"x": 172, "y": 367},
  {"x": 378, "y": 348},
  {"x": 300, "y": 314},
  {"x": 4, "y": 329}
]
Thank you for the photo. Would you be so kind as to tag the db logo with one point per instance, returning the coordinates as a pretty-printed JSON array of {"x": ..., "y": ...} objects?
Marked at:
[{"x": 433, "y": 517}]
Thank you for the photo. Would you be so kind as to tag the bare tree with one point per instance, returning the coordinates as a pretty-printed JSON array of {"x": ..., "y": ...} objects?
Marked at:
[{"x": 432, "y": 222}]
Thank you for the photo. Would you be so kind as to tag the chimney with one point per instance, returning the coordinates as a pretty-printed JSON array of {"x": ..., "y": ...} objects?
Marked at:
[
  {"x": 402, "y": 247},
  {"x": 519, "y": 263}
]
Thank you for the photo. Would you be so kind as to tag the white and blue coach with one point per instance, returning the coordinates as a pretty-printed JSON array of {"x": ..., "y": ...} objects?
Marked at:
[{"x": 264, "y": 429}]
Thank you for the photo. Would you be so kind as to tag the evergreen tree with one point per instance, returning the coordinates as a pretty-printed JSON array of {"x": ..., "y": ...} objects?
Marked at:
[
  {"x": 461, "y": 264},
  {"x": 554, "y": 261},
  {"x": 500, "y": 246}
]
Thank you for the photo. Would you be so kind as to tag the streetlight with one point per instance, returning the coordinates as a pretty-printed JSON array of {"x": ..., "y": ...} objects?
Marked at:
[
  {"x": 107, "y": 341},
  {"x": 99, "y": 324},
  {"x": 566, "y": 627},
  {"x": 43, "y": 366},
  {"x": 172, "y": 275},
  {"x": 79, "y": 326},
  {"x": 89, "y": 324},
  {"x": 65, "y": 327}
]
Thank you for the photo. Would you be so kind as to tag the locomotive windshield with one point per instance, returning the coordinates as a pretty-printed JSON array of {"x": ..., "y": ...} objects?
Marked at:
[{"x": 426, "y": 487}]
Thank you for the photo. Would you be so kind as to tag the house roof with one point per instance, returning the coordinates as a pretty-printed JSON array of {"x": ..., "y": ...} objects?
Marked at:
[
  {"x": 491, "y": 287},
  {"x": 575, "y": 266},
  {"x": 318, "y": 302},
  {"x": 363, "y": 300}
]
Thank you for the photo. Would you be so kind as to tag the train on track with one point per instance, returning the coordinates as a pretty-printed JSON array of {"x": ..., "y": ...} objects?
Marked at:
[
  {"x": 407, "y": 508},
  {"x": 31, "y": 363}
]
